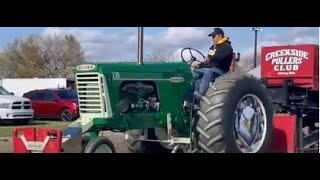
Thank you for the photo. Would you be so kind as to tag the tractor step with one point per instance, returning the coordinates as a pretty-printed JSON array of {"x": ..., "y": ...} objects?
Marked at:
[
  {"x": 313, "y": 150},
  {"x": 297, "y": 98},
  {"x": 311, "y": 140}
]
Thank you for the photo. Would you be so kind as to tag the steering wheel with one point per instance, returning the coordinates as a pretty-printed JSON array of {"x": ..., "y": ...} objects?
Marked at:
[{"x": 193, "y": 58}]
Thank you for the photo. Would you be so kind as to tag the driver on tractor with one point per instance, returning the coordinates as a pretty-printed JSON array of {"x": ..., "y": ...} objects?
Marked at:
[{"x": 217, "y": 63}]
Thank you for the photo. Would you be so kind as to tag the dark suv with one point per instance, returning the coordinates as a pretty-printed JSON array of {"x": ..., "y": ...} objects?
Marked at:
[{"x": 54, "y": 103}]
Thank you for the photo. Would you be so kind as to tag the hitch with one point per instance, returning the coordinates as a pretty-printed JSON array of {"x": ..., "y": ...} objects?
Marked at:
[
  {"x": 27, "y": 140},
  {"x": 31, "y": 140}
]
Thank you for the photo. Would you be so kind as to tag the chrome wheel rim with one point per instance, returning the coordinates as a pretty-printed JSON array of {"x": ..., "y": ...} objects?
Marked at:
[{"x": 250, "y": 124}]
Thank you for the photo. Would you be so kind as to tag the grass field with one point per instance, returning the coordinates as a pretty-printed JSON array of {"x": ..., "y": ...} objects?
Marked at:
[{"x": 6, "y": 130}]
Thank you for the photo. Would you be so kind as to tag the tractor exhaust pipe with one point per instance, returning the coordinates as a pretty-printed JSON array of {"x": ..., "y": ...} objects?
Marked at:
[{"x": 140, "y": 45}]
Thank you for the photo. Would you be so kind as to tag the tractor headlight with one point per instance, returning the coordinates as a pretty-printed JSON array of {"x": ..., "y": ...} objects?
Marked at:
[{"x": 4, "y": 105}]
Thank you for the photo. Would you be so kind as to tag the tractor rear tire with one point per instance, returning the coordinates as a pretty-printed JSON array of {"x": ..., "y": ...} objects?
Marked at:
[
  {"x": 217, "y": 114},
  {"x": 100, "y": 145},
  {"x": 144, "y": 146}
]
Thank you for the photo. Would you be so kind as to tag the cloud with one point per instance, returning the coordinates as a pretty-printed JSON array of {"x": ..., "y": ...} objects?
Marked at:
[
  {"x": 176, "y": 37},
  {"x": 250, "y": 50},
  {"x": 123, "y": 44},
  {"x": 100, "y": 46},
  {"x": 296, "y": 35}
]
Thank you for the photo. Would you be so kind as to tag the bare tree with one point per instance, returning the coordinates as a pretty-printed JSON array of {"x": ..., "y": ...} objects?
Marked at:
[
  {"x": 155, "y": 56},
  {"x": 42, "y": 57},
  {"x": 61, "y": 54},
  {"x": 22, "y": 58},
  {"x": 247, "y": 62},
  {"x": 159, "y": 56}
]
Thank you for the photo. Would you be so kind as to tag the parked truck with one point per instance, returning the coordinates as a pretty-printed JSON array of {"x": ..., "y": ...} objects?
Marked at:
[{"x": 14, "y": 109}]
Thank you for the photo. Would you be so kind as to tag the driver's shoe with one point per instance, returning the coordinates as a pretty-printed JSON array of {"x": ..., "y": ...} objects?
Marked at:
[
  {"x": 239, "y": 144},
  {"x": 197, "y": 95},
  {"x": 196, "y": 102},
  {"x": 196, "y": 107},
  {"x": 187, "y": 105},
  {"x": 195, "y": 75}
]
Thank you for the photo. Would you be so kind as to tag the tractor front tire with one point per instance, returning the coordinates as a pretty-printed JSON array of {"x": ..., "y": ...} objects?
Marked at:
[
  {"x": 84, "y": 142},
  {"x": 216, "y": 124},
  {"x": 100, "y": 145}
]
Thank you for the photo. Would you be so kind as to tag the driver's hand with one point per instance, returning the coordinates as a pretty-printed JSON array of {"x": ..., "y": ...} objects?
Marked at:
[
  {"x": 195, "y": 65},
  {"x": 206, "y": 61}
]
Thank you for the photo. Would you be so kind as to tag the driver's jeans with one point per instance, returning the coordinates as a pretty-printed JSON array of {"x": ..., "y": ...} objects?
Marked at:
[{"x": 205, "y": 76}]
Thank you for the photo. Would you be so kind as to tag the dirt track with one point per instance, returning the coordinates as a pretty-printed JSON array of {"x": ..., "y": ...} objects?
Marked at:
[{"x": 116, "y": 138}]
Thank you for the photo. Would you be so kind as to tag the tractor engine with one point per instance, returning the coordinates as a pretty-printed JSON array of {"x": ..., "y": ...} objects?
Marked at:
[{"x": 138, "y": 96}]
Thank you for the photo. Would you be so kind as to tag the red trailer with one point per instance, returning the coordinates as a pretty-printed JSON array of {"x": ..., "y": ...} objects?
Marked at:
[
  {"x": 291, "y": 74},
  {"x": 299, "y": 63}
]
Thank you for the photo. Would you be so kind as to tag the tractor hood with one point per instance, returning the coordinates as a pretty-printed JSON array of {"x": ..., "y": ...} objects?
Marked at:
[{"x": 154, "y": 67}]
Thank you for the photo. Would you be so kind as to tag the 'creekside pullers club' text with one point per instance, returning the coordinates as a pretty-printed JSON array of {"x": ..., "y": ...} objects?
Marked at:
[{"x": 286, "y": 61}]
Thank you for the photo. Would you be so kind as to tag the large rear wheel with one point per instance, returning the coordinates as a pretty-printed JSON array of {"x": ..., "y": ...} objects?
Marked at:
[{"x": 235, "y": 116}]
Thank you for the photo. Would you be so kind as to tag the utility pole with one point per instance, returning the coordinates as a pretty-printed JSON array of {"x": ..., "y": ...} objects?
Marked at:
[
  {"x": 140, "y": 45},
  {"x": 256, "y": 30}
]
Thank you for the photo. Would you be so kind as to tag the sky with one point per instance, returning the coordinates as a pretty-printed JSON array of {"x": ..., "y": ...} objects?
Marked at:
[{"x": 120, "y": 43}]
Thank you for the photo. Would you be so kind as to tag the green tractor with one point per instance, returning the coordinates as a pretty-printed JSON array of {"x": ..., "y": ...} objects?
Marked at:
[{"x": 146, "y": 102}]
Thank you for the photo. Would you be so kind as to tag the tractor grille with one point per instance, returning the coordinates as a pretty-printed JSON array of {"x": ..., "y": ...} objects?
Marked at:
[{"x": 89, "y": 86}]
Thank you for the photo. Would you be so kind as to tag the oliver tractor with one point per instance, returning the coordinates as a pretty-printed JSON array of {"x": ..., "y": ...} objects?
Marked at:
[
  {"x": 240, "y": 113},
  {"x": 277, "y": 111}
]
